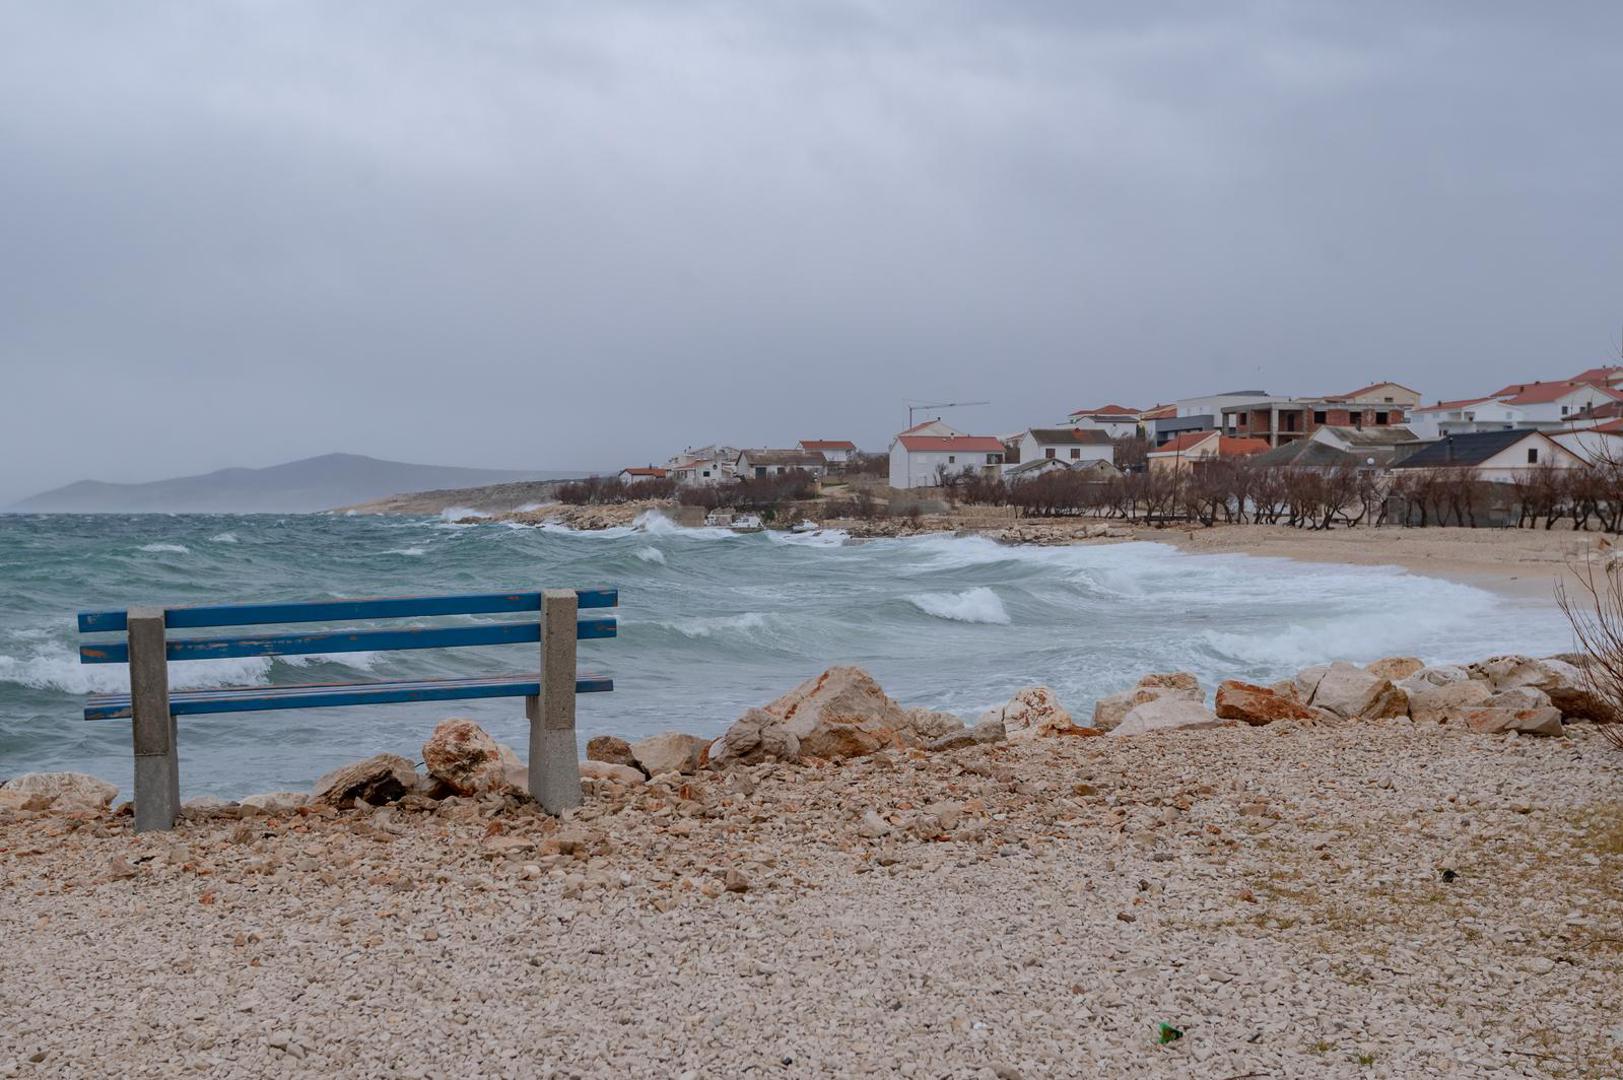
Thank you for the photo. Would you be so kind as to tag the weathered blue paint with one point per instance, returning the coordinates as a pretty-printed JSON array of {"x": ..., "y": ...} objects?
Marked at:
[
  {"x": 324, "y": 696},
  {"x": 337, "y": 641},
  {"x": 384, "y": 607}
]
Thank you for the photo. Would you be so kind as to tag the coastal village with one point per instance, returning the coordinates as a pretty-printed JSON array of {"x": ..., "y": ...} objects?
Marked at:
[{"x": 1383, "y": 429}]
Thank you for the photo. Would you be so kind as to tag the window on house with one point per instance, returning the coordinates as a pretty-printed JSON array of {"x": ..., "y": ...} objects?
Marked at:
[
  {"x": 1387, "y": 400},
  {"x": 1076, "y": 453},
  {"x": 1563, "y": 410},
  {"x": 994, "y": 459},
  {"x": 952, "y": 459},
  {"x": 1318, "y": 416},
  {"x": 1048, "y": 453},
  {"x": 1532, "y": 455},
  {"x": 1380, "y": 417}
]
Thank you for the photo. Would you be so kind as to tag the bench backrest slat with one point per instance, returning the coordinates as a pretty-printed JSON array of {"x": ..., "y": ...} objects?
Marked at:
[
  {"x": 338, "y": 641},
  {"x": 381, "y": 607}
]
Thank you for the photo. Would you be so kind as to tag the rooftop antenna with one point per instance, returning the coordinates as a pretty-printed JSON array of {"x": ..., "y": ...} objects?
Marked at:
[{"x": 911, "y": 409}]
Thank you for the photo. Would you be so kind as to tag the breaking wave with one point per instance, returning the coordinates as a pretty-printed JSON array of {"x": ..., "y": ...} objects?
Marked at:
[
  {"x": 178, "y": 549},
  {"x": 651, "y": 554},
  {"x": 979, "y": 605}
]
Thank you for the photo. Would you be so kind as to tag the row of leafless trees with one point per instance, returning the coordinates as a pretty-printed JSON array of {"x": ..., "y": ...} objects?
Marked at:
[
  {"x": 759, "y": 493},
  {"x": 600, "y": 490},
  {"x": 1236, "y": 491}
]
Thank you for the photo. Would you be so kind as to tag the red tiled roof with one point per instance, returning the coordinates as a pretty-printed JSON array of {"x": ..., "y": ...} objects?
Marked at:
[
  {"x": 1352, "y": 395},
  {"x": 1227, "y": 445},
  {"x": 827, "y": 444},
  {"x": 1240, "y": 446},
  {"x": 1160, "y": 412},
  {"x": 922, "y": 424},
  {"x": 973, "y": 444},
  {"x": 1107, "y": 410},
  {"x": 1187, "y": 441},
  {"x": 650, "y": 470},
  {"x": 1599, "y": 375},
  {"x": 1460, "y": 404},
  {"x": 1542, "y": 393}
]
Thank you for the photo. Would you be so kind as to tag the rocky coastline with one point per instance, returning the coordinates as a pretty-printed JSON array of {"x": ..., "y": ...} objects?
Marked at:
[{"x": 1387, "y": 870}]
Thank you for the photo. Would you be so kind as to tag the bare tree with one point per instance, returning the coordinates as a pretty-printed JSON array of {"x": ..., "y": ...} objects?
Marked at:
[{"x": 1596, "y": 615}]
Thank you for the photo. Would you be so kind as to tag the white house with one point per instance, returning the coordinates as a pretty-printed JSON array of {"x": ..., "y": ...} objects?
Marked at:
[
  {"x": 1602, "y": 443},
  {"x": 1495, "y": 456},
  {"x": 759, "y": 463},
  {"x": 639, "y": 473},
  {"x": 833, "y": 451},
  {"x": 698, "y": 472},
  {"x": 1117, "y": 421},
  {"x": 1066, "y": 444},
  {"x": 1519, "y": 406},
  {"x": 919, "y": 460}
]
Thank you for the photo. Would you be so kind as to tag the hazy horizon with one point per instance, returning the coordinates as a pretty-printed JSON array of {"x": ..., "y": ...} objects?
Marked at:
[{"x": 544, "y": 237}]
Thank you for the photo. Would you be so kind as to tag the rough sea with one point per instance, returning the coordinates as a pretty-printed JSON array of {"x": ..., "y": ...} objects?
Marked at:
[{"x": 711, "y": 622}]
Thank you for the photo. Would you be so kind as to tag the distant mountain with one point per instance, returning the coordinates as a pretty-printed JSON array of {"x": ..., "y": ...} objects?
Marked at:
[{"x": 318, "y": 483}]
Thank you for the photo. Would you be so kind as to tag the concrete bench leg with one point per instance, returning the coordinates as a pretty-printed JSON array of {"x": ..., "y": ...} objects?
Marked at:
[
  {"x": 554, "y": 761},
  {"x": 157, "y": 758}
]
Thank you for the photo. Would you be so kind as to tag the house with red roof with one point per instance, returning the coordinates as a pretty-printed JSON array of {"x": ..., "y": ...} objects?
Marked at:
[
  {"x": 1117, "y": 421},
  {"x": 1532, "y": 406},
  {"x": 924, "y": 458},
  {"x": 833, "y": 451},
  {"x": 1185, "y": 451}
]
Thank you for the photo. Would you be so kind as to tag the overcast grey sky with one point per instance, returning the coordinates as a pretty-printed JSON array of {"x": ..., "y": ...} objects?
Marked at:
[{"x": 534, "y": 235}]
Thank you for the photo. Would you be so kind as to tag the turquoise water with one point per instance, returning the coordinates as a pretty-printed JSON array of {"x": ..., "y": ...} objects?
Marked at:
[{"x": 711, "y": 622}]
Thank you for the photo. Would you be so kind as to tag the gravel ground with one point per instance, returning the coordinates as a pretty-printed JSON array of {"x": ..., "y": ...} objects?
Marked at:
[{"x": 1373, "y": 900}]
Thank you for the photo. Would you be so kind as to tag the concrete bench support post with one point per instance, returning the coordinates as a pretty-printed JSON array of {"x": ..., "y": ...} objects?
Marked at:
[
  {"x": 157, "y": 758},
  {"x": 554, "y": 765}
]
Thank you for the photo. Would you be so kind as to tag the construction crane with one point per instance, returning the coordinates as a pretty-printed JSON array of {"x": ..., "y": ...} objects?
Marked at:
[{"x": 911, "y": 409}]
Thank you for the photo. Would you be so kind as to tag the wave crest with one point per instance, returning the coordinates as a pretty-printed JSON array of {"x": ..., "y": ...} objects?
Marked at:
[{"x": 977, "y": 605}]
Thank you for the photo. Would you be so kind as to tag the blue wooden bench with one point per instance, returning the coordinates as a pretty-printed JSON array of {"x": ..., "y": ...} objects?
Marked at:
[{"x": 549, "y": 693}]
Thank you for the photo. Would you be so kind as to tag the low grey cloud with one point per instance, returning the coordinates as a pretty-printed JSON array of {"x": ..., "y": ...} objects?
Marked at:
[{"x": 529, "y": 235}]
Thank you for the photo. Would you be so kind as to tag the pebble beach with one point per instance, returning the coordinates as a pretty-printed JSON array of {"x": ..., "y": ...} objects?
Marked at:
[{"x": 1380, "y": 898}]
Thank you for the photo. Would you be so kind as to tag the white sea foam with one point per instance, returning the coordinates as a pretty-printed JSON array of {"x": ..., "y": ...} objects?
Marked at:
[
  {"x": 651, "y": 554},
  {"x": 978, "y": 605},
  {"x": 712, "y": 625},
  {"x": 62, "y": 671},
  {"x": 406, "y": 551},
  {"x": 654, "y": 523},
  {"x": 223, "y": 538},
  {"x": 455, "y": 514},
  {"x": 815, "y": 538},
  {"x": 360, "y": 661},
  {"x": 178, "y": 549}
]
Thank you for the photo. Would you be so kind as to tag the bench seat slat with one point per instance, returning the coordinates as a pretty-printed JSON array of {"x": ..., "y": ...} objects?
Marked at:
[
  {"x": 379, "y": 607},
  {"x": 338, "y": 641},
  {"x": 332, "y": 695}
]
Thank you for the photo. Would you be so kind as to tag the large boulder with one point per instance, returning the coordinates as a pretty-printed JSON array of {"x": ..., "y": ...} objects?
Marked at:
[
  {"x": 1168, "y": 714},
  {"x": 1442, "y": 703},
  {"x": 464, "y": 759},
  {"x": 1511, "y": 671},
  {"x": 629, "y": 775},
  {"x": 841, "y": 713},
  {"x": 1395, "y": 667},
  {"x": 1111, "y": 710},
  {"x": 1257, "y": 705},
  {"x": 1032, "y": 712},
  {"x": 922, "y": 727},
  {"x": 1491, "y": 721},
  {"x": 987, "y": 731},
  {"x": 1519, "y": 697},
  {"x": 1307, "y": 681},
  {"x": 670, "y": 752},
  {"x": 382, "y": 778},
  {"x": 66, "y": 790},
  {"x": 275, "y": 802},
  {"x": 1354, "y": 694}
]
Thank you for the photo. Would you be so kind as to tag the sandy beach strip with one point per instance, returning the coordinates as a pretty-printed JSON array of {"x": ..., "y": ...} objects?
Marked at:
[{"x": 1367, "y": 899}]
